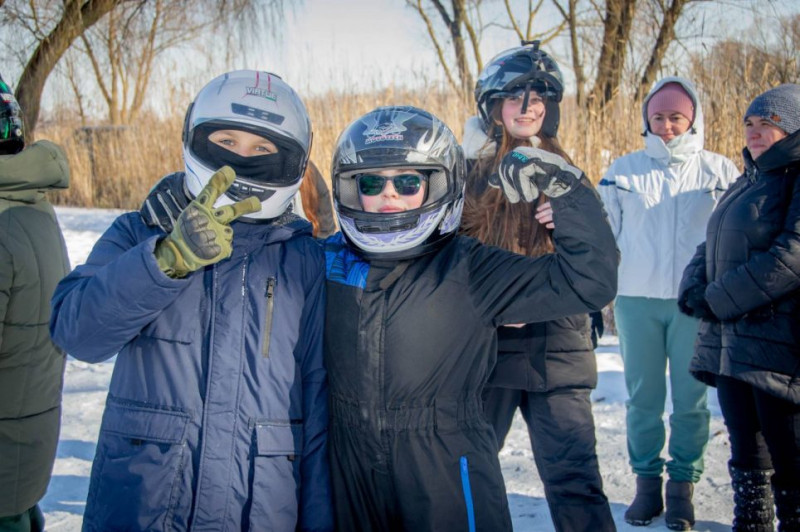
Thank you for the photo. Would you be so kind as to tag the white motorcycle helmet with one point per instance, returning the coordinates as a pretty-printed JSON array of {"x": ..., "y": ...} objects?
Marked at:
[
  {"x": 399, "y": 137},
  {"x": 256, "y": 102}
]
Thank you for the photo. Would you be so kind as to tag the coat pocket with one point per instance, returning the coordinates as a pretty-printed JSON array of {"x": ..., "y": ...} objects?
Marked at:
[
  {"x": 275, "y": 475},
  {"x": 140, "y": 478}
]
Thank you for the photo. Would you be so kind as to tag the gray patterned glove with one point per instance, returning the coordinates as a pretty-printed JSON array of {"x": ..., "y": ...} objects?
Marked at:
[{"x": 526, "y": 172}]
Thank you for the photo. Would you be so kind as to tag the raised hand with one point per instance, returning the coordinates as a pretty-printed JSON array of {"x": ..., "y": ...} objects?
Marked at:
[
  {"x": 526, "y": 172},
  {"x": 202, "y": 235}
]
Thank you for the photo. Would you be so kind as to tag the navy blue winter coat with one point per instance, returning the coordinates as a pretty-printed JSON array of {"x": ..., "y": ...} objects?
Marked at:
[{"x": 216, "y": 417}]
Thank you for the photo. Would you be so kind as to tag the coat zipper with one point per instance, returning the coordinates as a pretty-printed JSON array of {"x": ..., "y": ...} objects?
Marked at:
[
  {"x": 465, "y": 486},
  {"x": 268, "y": 318}
]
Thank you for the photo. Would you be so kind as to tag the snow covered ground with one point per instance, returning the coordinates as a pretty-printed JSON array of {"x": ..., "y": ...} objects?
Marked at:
[{"x": 86, "y": 386}]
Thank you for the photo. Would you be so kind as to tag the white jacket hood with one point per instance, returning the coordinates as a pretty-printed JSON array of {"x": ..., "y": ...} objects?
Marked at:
[{"x": 683, "y": 146}]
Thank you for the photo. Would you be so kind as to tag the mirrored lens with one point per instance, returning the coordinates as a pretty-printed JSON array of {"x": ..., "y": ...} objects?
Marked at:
[
  {"x": 370, "y": 185},
  {"x": 404, "y": 184},
  {"x": 407, "y": 184}
]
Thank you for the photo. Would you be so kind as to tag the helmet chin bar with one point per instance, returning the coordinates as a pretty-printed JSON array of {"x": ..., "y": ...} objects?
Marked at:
[
  {"x": 241, "y": 190},
  {"x": 386, "y": 225}
]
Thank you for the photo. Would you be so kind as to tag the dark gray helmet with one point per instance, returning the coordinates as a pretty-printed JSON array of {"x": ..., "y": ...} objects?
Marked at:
[
  {"x": 525, "y": 68},
  {"x": 399, "y": 137}
]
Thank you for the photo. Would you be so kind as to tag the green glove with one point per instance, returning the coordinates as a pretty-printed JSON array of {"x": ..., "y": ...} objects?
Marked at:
[{"x": 201, "y": 235}]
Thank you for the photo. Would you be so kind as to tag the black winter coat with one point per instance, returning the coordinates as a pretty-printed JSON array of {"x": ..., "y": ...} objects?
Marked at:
[
  {"x": 541, "y": 357},
  {"x": 751, "y": 265},
  {"x": 410, "y": 346}
]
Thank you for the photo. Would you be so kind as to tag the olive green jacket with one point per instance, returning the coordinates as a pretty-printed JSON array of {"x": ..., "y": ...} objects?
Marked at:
[{"x": 33, "y": 259}]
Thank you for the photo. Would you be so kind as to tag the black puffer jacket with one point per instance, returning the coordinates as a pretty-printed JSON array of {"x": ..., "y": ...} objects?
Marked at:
[
  {"x": 751, "y": 262},
  {"x": 541, "y": 357}
]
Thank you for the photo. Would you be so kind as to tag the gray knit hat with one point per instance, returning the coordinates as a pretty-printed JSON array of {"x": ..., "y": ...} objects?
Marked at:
[{"x": 779, "y": 106}]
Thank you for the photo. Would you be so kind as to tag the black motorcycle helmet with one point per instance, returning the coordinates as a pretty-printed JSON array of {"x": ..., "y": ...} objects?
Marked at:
[
  {"x": 525, "y": 68},
  {"x": 12, "y": 130}
]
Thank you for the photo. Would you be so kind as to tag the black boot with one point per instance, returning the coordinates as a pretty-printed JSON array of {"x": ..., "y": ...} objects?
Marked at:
[
  {"x": 787, "y": 503},
  {"x": 680, "y": 511},
  {"x": 648, "y": 502},
  {"x": 752, "y": 500}
]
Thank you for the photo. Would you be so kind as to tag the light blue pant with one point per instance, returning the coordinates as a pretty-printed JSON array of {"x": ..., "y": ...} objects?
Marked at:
[{"x": 652, "y": 334}]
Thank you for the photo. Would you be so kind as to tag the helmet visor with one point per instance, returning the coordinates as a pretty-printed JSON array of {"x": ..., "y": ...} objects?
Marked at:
[{"x": 366, "y": 182}]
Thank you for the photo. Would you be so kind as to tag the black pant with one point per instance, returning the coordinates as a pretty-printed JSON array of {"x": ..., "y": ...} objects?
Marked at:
[
  {"x": 561, "y": 429},
  {"x": 764, "y": 430}
]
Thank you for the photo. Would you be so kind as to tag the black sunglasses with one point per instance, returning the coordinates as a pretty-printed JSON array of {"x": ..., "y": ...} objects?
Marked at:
[{"x": 404, "y": 184}]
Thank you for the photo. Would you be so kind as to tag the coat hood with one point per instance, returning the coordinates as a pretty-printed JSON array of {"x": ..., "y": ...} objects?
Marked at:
[
  {"x": 26, "y": 175},
  {"x": 683, "y": 146}
]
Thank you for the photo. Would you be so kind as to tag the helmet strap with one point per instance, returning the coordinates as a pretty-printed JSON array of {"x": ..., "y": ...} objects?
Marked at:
[
  {"x": 526, "y": 98},
  {"x": 497, "y": 133}
]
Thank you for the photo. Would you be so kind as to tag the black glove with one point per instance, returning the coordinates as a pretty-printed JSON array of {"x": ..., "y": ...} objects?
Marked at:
[
  {"x": 165, "y": 202},
  {"x": 526, "y": 172},
  {"x": 693, "y": 303}
]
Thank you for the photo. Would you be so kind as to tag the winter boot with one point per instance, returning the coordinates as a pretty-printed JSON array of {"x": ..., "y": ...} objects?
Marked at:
[
  {"x": 648, "y": 502},
  {"x": 752, "y": 500},
  {"x": 787, "y": 504},
  {"x": 680, "y": 511}
]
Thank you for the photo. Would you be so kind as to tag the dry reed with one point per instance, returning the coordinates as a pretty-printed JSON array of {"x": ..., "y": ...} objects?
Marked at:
[{"x": 116, "y": 166}]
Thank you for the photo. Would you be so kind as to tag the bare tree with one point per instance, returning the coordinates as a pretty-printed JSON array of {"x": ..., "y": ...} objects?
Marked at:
[
  {"x": 569, "y": 13},
  {"x": 617, "y": 23},
  {"x": 76, "y": 17},
  {"x": 671, "y": 10},
  {"x": 123, "y": 50},
  {"x": 453, "y": 22},
  {"x": 464, "y": 25},
  {"x": 529, "y": 35}
]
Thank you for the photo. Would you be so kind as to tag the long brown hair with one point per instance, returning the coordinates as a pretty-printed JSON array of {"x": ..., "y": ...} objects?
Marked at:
[
  {"x": 309, "y": 196},
  {"x": 488, "y": 215}
]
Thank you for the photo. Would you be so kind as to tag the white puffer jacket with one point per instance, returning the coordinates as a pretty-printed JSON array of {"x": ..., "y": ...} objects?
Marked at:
[{"x": 659, "y": 200}]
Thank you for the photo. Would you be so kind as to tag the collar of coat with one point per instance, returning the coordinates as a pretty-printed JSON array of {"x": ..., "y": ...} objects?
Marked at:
[{"x": 784, "y": 154}]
